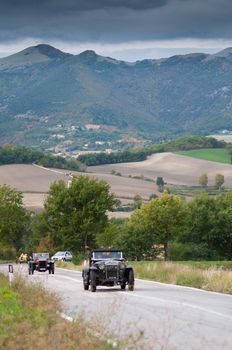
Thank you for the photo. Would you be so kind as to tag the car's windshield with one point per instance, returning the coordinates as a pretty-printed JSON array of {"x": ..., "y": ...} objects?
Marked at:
[
  {"x": 40, "y": 256},
  {"x": 107, "y": 255}
]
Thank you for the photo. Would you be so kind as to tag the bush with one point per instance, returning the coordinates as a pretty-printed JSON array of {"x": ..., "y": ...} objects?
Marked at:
[
  {"x": 190, "y": 251},
  {"x": 78, "y": 259},
  {"x": 7, "y": 253}
]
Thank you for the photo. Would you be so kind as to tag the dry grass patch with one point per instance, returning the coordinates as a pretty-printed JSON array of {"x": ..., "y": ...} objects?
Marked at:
[
  {"x": 211, "y": 279},
  {"x": 68, "y": 265},
  {"x": 29, "y": 319},
  {"x": 218, "y": 281}
]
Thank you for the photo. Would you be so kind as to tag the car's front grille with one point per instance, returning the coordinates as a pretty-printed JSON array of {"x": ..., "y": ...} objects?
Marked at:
[
  {"x": 112, "y": 272},
  {"x": 42, "y": 264}
]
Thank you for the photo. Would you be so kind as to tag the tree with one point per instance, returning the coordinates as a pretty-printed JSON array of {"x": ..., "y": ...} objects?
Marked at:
[
  {"x": 202, "y": 220},
  {"x": 75, "y": 214},
  {"x": 152, "y": 196},
  {"x": 14, "y": 220},
  {"x": 165, "y": 217},
  {"x": 210, "y": 225},
  {"x": 203, "y": 180},
  {"x": 160, "y": 183},
  {"x": 223, "y": 228},
  {"x": 219, "y": 180},
  {"x": 136, "y": 241},
  {"x": 108, "y": 237},
  {"x": 137, "y": 202}
]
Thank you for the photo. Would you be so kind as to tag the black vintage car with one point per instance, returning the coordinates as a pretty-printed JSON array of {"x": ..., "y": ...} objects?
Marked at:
[
  {"x": 107, "y": 268},
  {"x": 40, "y": 262}
]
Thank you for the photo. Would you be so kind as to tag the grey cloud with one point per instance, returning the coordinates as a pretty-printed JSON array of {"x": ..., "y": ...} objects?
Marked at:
[
  {"x": 115, "y": 20},
  {"x": 78, "y": 5}
]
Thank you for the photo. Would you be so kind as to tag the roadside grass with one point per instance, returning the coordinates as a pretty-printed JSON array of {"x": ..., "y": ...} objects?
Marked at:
[
  {"x": 211, "y": 276},
  {"x": 208, "y": 275},
  {"x": 29, "y": 318},
  {"x": 68, "y": 265},
  {"x": 6, "y": 261},
  {"x": 222, "y": 264},
  {"x": 219, "y": 155}
]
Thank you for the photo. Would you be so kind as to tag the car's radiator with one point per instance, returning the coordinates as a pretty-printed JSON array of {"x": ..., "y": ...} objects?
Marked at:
[
  {"x": 112, "y": 272},
  {"x": 42, "y": 264}
]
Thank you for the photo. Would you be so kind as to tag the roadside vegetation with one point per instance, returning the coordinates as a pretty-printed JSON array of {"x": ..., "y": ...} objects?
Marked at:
[
  {"x": 75, "y": 218},
  {"x": 211, "y": 276},
  {"x": 165, "y": 228},
  {"x": 29, "y": 318}
]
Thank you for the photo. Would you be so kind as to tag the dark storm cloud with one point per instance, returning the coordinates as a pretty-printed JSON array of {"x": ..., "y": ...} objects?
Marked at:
[
  {"x": 79, "y": 5},
  {"x": 115, "y": 20}
]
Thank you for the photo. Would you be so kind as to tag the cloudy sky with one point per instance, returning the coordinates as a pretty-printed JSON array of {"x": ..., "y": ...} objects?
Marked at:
[{"x": 124, "y": 29}]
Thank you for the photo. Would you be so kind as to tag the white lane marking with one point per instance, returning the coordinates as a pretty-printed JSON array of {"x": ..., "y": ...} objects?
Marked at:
[
  {"x": 167, "y": 284},
  {"x": 63, "y": 269},
  {"x": 70, "y": 278},
  {"x": 184, "y": 287},
  {"x": 165, "y": 301}
]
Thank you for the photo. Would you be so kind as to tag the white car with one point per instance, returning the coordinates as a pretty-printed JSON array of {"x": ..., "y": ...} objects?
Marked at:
[{"x": 62, "y": 256}]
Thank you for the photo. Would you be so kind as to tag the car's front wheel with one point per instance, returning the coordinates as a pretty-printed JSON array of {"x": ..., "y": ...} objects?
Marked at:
[
  {"x": 86, "y": 285},
  {"x": 93, "y": 281},
  {"x": 131, "y": 280}
]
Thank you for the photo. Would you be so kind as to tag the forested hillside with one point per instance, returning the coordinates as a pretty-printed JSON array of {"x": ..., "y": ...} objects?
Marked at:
[{"x": 42, "y": 88}]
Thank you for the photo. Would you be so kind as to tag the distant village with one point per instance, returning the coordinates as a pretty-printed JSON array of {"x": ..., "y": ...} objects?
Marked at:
[{"x": 71, "y": 141}]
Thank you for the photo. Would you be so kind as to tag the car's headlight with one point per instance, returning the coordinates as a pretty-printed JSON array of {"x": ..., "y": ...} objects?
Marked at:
[{"x": 101, "y": 266}]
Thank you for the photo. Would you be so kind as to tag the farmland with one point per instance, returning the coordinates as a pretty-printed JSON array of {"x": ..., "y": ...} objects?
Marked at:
[
  {"x": 34, "y": 181},
  {"x": 174, "y": 168},
  {"x": 219, "y": 155}
]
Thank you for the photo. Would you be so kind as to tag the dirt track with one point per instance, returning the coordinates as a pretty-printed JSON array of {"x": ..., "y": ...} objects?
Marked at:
[{"x": 175, "y": 169}]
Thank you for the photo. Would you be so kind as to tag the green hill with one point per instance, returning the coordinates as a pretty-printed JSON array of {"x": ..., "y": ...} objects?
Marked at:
[{"x": 42, "y": 87}]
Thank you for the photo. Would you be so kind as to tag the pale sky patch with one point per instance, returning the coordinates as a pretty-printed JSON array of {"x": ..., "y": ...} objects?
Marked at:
[{"x": 131, "y": 51}]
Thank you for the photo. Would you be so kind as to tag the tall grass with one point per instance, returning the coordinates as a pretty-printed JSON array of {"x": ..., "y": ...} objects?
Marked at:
[
  {"x": 68, "y": 265},
  {"x": 208, "y": 275},
  {"x": 29, "y": 319},
  {"x": 208, "y": 278}
]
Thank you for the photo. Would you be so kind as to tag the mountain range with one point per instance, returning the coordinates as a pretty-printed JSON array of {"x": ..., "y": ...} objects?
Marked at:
[{"x": 43, "y": 88}]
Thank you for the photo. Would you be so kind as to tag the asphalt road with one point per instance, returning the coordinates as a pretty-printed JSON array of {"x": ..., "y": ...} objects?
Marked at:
[{"x": 153, "y": 316}]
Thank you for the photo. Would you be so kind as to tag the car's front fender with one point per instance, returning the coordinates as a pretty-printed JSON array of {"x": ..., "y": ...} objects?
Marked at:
[
  {"x": 127, "y": 270},
  {"x": 93, "y": 268},
  {"x": 85, "y": 272}
]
